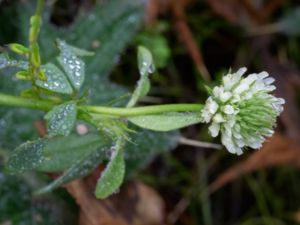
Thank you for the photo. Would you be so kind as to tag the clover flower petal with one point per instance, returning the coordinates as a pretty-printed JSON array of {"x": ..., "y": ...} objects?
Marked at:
[{"x": 242, "y": 110}]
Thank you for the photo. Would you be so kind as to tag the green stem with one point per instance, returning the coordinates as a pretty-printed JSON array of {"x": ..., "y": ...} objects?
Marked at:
[
  {"x": 144, "y": 110},
  {"x": 9, "y": 100},
  {"x": 39, "y": 7},
  {"x": 45, "y": 105},
  {"x": 34, "y": 55}
]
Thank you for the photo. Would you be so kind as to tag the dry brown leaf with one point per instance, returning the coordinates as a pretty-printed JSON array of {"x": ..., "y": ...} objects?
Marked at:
[
  {"x": 135, "y": 204},
  {"x": 277, "y": 151}
]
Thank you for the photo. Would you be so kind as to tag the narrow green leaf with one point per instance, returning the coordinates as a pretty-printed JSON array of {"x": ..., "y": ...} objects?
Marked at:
[
  {"x": 167, "y": 121},
  {"x": 61, "y": 119},
  {"x": 73, "y": 66},
  {"x": 146, "y": 66},
  {"x": 113, "y": 175},
  {"x": 18, "y": 48},
  {"x": 55, "y": 154},
  {"x": 56, "y": 80},
  {"x": 79, "y": 169},
  {"x": 23, "y": 75},
  {"x": 145, "y": 61}
]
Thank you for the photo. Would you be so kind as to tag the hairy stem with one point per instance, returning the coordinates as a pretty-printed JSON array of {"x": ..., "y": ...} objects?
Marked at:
[
  {"x": 144, "y": 110},
  {"x": 45, "y": 105}
]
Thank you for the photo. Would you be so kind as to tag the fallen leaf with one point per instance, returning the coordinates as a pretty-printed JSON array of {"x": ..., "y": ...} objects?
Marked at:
[{"x": 135, "y": 204}]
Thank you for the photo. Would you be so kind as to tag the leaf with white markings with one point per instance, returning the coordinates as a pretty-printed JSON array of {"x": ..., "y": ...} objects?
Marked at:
[
  {"x": 27, "y": 156},
  {"x": 73, "y": 66},
  {"x": 56, "y": 80},
  {"x": 61, "y": 119},
  {"x": 54, "y": 154},
  {"x": 113, "y": 175},
  {"x": 167, "y": 121},
  {"x": 5, "y": 62},
  {"x": 79, "y": 169}
]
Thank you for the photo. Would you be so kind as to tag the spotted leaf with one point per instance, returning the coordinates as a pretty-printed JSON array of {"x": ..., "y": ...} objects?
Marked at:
[
  {"x": 56, "y": 80},
  {"x": 112, "y": 177},
  {"x": 61, "y": 119},
  {"x": 73, "y": 66}
]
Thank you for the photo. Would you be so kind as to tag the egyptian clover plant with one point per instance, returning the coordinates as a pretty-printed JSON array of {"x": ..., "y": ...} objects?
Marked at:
[{"x": 241, "y": 109}]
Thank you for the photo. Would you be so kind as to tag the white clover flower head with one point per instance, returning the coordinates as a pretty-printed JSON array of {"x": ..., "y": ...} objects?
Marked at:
[{"x": 242, "y": 110}]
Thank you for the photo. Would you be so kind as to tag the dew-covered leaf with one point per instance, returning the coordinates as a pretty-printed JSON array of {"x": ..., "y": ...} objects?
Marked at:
[
  {"x": 146, "y": 66},
  {"x": 61, "y": 119},
  {"x": 54, "y": 154},
  {"x": 73, "y": 66},
  {"x": 5, "y": 62},
  {"x": 62, "y": 152},
  {"x": 166, "y": 121},
  {"x": 80, "y": 52},
  {"x": 27, "y": 156},
  {"x": 79, "y": 169},
  {"x": 113, "y": 175},
  {"x": 56, "y": 80},
  {"x": 145, "y": 61}
]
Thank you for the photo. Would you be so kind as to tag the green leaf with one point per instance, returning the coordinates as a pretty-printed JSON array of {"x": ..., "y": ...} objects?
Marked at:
[
  {"x": 23, "y": 75},
  {"x": 61, "y": 119},
  {"x": 146, "y": 66},
  {"x": 18, "y": 48},
  {"x": 73, "y": 66},
  {"x": 80, "y": 168},
  {"x": 56, "y": 80},
  {"x": 166, "y": 121},
  {"x": 113, "y": 175},
  {"x": 5, "y": 62},
  {"x": 62, "y": 152},
  {"x": 28, "y": 156},
  {"x": 55, "y": 154},
  {"x": 80, "y": 52},
  {"x": 145, "y": 61}
]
